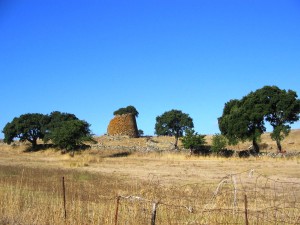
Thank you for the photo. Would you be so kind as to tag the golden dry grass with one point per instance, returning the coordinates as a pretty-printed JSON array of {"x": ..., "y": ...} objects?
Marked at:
[
  {"x": 35, "y": 196},
  {"x": 31, "y": 186},
  {"x": 170, "y": 167}
]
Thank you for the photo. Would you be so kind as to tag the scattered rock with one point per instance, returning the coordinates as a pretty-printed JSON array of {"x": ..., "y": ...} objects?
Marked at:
[{"x": 281, "y": 154}]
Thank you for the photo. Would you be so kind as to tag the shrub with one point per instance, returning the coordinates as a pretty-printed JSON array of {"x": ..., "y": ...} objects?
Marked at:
[
  {"x": 129, "y": 109},
  {"x": 194, "y": 141},
  {"x": 219, "y": 143}
]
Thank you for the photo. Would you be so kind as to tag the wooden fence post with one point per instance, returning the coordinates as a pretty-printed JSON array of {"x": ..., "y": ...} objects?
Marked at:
[
  {"x": 117, "y": 210},
  {"x": 246, "y": 210},
  {"x": 64, "y": 197},
  {"x": 153, "y": 217}
]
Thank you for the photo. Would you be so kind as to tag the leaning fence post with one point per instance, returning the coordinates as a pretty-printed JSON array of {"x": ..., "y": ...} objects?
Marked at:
[
  {"x": 64, "y": 197},
  {"x": 246, "y": 211},
  {"x": 117, "y": 210},
  {"x": 153, "y": 218}
]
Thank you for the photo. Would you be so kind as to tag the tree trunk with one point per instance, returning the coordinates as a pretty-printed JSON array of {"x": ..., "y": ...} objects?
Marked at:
[
  {"x": 33, "y": 142},
  {"x": 255, "y": 146},
  {"x": 191, "y": 151},
  {"x": 176, "y": 143},
  {"x": 279, "y": 148}
]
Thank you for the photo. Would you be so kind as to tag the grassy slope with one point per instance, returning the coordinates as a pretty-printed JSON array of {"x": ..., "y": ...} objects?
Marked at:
[
  {"x": 167, "y": 166},
  {"x": 30, "y": 184}
]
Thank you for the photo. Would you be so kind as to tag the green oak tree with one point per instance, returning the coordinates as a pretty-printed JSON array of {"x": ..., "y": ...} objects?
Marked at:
[
  {"x": 71, "y": 133},
  {"x": 66, "y": 131},
  {"x": 228, "y": 124},
  {"x": 253, "y": 111},
  {"x": 173, "y": 123},
  {"x": 56, "y": 119},
  {"x": 28, "y": 127},
  {"x": 243, "y": 120},
  {"x": 282, "y": 109}
]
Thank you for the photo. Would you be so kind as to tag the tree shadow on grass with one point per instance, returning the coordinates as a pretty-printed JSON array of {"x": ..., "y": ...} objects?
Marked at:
[
  {"x": 41, "y": 147},
  {"x": 120, "y": 154},
  {"x": 37, "y": 148},
  {"x": 226, "y": 153},
  {"x": 247, "y": 153}
]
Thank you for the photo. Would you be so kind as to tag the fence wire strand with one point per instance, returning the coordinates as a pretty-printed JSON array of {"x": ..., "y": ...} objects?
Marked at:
[{"x": 269, "y": 201}]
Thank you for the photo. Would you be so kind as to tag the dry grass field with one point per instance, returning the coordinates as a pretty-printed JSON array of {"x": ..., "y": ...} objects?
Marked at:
[{"x": 185, "y": 189}]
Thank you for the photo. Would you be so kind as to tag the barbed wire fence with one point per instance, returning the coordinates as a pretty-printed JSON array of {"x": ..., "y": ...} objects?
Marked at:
[
  {"x": 247, "y": 197},
  {"x": 239, "y": 198},
  {"x": 251, "y": 196}
]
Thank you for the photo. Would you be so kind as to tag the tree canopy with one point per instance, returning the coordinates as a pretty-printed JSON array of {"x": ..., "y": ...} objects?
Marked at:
[
  {"x": 65, "y": 130},
  {"x": 71, "y": 133},
  {"x": 28, "y": 127},
  {"x": 173, "y": 123},
  {"x": 245, "y": 119},
  {"x": 282, "y": 108},
  {"x": 56, "y": 120},
  {"x": 128, "y": 109}
]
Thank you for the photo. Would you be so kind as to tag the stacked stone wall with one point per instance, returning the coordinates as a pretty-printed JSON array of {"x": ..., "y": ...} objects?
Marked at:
[{"x": 123, "y": 125}]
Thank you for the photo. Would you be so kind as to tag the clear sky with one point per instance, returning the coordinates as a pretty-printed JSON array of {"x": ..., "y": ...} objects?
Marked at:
[{"x": 91, "y": 58}]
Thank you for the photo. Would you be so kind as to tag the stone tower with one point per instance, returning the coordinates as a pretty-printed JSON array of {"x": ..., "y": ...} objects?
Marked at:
[{"x": 123, "y": 125}]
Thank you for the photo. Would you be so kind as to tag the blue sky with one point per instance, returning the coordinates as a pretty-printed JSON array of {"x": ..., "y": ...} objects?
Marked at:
[{"x": 92, "y": 57}]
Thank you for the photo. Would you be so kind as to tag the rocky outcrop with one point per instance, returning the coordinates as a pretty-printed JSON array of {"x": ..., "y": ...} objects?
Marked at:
[{"x": 123, "y": 125}]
